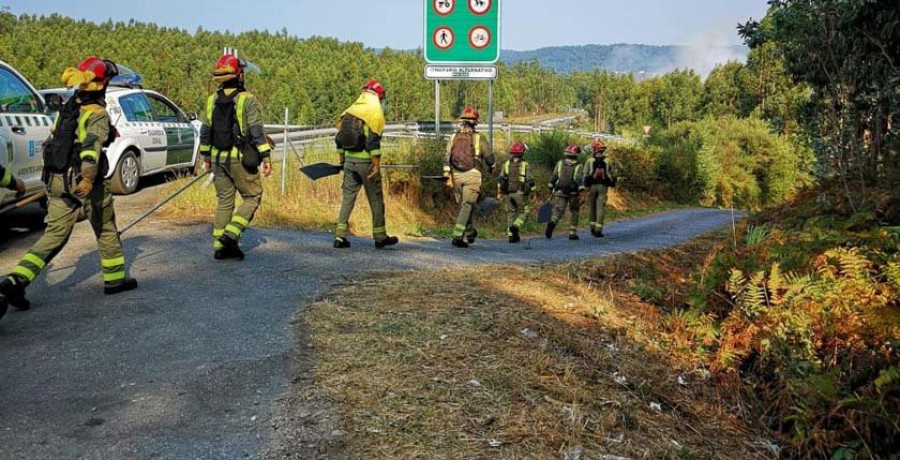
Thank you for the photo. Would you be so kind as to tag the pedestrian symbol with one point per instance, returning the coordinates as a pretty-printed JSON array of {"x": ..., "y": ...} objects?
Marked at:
[
  {"x": 480, "y": 7},
  {"x": 479, "y": 37},
  {"x": 443, "y": 38},
  {"x": 444, "y": 7}
]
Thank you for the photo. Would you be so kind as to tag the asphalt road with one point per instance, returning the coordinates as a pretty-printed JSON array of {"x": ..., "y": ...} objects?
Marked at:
[{"x": 195, "y": 363}]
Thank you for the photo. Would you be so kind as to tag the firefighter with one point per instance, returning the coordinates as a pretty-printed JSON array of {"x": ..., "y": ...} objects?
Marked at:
[
  {"x": 598, "y": 179},
  {"x": 358, "y": 141},
  {"x": 234, "y": 147},
  {"x": 74, "y": 170},
  {"x": 514, "y": 187},
  {"x": 566, "y": 187},
  {"x": 468, "y": 158}
]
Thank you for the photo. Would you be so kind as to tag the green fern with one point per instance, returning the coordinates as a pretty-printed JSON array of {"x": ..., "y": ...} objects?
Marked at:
[{"x": 888, "y": 376}]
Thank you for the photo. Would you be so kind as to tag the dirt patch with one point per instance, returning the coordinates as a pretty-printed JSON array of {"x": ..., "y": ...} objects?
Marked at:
[{"x": 509, "y": 363}]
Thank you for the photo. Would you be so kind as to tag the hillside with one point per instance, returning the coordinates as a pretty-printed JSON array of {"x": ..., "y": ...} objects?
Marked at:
[{"x": 629, "y": 58}]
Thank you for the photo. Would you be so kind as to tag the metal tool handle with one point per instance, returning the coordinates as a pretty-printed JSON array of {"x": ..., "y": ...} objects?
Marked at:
[{"x": 163, "y": 202}]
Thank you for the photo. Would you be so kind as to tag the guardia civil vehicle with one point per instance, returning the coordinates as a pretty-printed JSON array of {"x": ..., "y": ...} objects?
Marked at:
[{"x": 154, "y": 135}]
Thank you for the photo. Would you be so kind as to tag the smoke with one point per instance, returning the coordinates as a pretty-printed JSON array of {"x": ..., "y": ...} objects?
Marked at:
[{"x": 705, "y": 49}]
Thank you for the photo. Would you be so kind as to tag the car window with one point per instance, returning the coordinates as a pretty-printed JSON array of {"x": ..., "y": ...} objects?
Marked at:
[
  {"x": 162, "y": 111},
  {"x": 136, "y": 107},
  {"x": 15, "y": 96}
]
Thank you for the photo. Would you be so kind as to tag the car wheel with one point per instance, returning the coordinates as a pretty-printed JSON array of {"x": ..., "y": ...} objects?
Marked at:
[{"x": 127, "y": 175}]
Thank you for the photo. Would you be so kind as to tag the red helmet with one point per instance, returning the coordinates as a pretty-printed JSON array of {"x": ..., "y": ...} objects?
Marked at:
[
  {"x": 470, "y": 114},
  {"x": 518, "y": 149},
  {"x": 227, "y": 67},
  {"x": 573, "y": 150},
  {"x": 103, "y": 70},
  {"x": 376, "y": 87},
  {"x": 598, "y": 146}
]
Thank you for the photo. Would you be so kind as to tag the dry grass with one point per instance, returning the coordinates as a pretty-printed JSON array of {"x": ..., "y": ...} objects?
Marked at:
[{"x": 511, "y": 363}]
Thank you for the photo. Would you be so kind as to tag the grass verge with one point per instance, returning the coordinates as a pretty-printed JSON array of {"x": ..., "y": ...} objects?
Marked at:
[{"x": 508, "y": 363}]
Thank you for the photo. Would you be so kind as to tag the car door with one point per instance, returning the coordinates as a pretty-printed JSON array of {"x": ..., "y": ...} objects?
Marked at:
[
  {"x": 23, "y": 127},
  {"x": 179, "y": 132},
  {"x": 147, "y": 133}
]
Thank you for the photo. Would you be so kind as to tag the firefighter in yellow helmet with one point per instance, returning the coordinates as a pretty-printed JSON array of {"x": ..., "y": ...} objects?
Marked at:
[
  {"x": 234, "y": 147},
  {"x": 74, "y": 170}
]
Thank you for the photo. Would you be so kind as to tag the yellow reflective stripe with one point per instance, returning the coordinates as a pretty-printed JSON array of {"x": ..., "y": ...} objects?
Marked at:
[
  {"x": 264, "y": 148},
  {"x": 205, "y": 148},
  {"x": 82, "y": 125},
  {"x": 210, "y": 104},
  {"x": 379, "y": 229},
  {"x": 7, "y": 178},
  {"x": 218, "y": 232},
  {"x": 242, "y": 97},
  {"x": 506, "y": 167},
  {"x": 342, "y": 226},
  {"x": 111, "y": 263},
  {"x": 24, "y": 272},
  {"x": 233, "y": 229},
  {"x": 450, "y": 144},
  {"x": 34, "y": 260},
  {"x": 477, "y": 144},
  {"x": 90, "y": 154},
  {"x": 240, "y": 220},
  {"x": 117, "y": 276}
]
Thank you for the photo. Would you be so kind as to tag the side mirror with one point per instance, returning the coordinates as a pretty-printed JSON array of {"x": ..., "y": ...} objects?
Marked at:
[
  {"x": 54, "y": 103},
  {"x": 192, "y": 116}
]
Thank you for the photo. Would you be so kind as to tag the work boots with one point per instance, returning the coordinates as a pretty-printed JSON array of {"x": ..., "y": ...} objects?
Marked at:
[
  {"x": 230, "y": 249},
  {"x": 13, "y": 288},
  {"x": 597, "y": 232},
  {"x": 116, "y": 287},
  {"x": 573, "y": 236},
  {"x": 388, "y": 241},
  {"x": 549, "y": 232},
  {"x": 470, "y": 238},
  {"x": 460, "y": 243},
  {"x": 341, "y": 243},
  {"x": 514, "y": 234}
]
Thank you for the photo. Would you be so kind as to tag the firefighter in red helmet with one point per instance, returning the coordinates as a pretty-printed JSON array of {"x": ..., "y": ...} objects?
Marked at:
[
  {"x": 74, "y": 169},
  {"x": 468, "y": 158},
  {"x": 515, "y": 186},
  {"x": 235, "y": 148}
]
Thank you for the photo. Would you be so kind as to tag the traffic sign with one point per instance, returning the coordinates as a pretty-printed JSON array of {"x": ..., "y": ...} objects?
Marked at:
[
  {"x": 450, "y": 72},
  {"x": 462, "y": 31}
]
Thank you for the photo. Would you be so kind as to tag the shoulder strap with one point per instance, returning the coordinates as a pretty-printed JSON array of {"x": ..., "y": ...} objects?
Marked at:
[
  {"x": 241, "y": 99},
  {"x": 477, "y": 144}
]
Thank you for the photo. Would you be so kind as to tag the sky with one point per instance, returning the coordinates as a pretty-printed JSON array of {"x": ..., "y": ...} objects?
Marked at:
[{"x": 526, "y": 24}]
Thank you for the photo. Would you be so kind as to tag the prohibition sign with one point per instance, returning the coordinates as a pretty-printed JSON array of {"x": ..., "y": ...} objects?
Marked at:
[
  {"x": 479, "y": 37},
  {"x": 443, "y": 38},
  {"x": 480, "y": 7},
  {"x": 444, "y": 7}
]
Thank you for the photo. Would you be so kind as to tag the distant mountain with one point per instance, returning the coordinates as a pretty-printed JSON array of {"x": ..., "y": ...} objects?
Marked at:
[{"x": 629, "y": 58}]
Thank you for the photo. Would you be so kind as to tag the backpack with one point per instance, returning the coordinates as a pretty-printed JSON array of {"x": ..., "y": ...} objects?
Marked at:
[
  {"x": 462, "y": 152},
  {"x": 60, "y": 156},
  {"x": 351, "y": 135},
  {"x": 598, "y": 172},
  {"x": 225, "y": 130},
  {"x": 566, "y": 182},
  {"x": 515, "y": 172}
]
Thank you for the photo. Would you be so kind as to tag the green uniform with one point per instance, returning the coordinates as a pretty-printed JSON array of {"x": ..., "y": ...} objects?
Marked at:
[
  {"x": 64, "y": 207},
  {"x": 357, "y": 169},
  {"x": 231, "y": 176},
  {"x": 519, "y": 180},
  {"x": 467, "y": 184},
  {"x": 567, "y": 192},
  {"x": 597, "y": 178}
]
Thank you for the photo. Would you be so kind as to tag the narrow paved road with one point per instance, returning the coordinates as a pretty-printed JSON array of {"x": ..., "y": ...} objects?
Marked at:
[{"x": 193, "y": 363}]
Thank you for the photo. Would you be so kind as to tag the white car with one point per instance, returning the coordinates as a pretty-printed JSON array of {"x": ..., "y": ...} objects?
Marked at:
[
  {"x": 154, "y": 135},
  {"x": 24, "y": 125}
]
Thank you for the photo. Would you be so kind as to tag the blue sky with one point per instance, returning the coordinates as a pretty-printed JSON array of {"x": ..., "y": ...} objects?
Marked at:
[{"x": 527, "y": 24}]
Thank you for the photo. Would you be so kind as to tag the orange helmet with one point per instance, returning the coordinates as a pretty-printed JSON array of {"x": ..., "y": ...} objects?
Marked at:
[
  {"x": 573, "y": 150},
  {"x": 598, "y": 146},
  {"x": 518, "y": 148},
  {"x": 470, "y": 114},
  {"x": 376, "y": 87},
  {"x": 228, "y": 67}
]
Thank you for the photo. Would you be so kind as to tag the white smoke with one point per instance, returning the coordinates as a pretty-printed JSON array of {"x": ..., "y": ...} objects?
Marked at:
[{"x": 705, "y": 49}]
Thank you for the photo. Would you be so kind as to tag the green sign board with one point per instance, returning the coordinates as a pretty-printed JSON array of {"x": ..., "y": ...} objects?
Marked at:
[{"x": 462, "y": 31}]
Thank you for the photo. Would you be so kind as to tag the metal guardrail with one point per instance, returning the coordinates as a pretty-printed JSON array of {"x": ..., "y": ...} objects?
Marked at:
[{"x": 299, "y": 135}]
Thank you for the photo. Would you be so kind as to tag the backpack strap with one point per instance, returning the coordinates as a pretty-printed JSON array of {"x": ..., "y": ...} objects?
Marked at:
[
  {"x": 239, "y": 108},
  {"x": 477, "y": 145}
]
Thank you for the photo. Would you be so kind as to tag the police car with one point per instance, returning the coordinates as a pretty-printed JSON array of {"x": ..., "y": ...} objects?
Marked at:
[
  {"x": 153, "y": 134},
  {"x": 24, "y": 125}
]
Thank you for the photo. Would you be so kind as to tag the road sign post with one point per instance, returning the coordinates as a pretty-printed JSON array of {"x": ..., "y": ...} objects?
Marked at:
[{"x": 462, "y": 42}]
